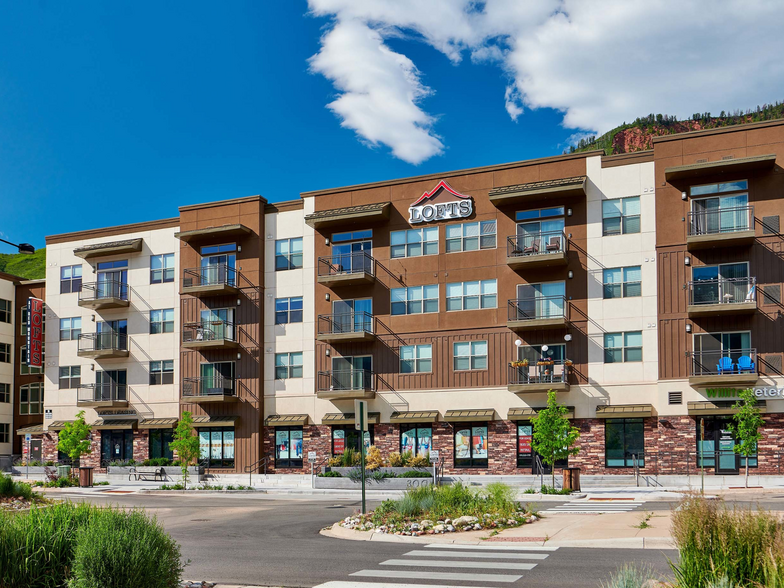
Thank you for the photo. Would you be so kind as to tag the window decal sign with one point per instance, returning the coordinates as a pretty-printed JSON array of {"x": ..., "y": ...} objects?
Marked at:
[
  {"x": 35, "y": 330},
  {"x": 425, "y": 210}
]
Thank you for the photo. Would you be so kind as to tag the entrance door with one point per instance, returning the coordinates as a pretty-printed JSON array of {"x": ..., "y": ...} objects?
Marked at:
[
  {"x": 717, "y": 450},
  {"x": 728, "y": 459},
  {"x": 35, "y": 450}
]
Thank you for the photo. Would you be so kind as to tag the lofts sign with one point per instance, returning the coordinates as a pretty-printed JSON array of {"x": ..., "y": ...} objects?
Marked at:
[
  {"x": 35, "y": 332},
  {"x": 426, "y": 210}
]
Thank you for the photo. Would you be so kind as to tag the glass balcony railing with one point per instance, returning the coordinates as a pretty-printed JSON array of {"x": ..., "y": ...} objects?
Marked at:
[{"x": 721, "y": 221}]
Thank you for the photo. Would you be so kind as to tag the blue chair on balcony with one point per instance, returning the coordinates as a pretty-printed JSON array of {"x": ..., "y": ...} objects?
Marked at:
[
  {"x": 725, "y": 366},
  {"x": 746, "y": 365}
]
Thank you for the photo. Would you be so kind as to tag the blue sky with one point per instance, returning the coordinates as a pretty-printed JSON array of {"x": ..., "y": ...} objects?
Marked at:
[{"x": 119, "y": 112}]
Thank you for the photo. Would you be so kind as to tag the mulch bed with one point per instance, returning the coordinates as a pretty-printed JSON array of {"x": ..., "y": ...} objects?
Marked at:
[{"x": 14, "y": 503}]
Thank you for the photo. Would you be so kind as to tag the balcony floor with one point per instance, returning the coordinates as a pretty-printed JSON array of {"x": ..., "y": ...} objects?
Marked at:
[
  {"x": 104, "y": 303},
  {"x": 352, "y": 279},
  {"x": 103, "y": 403},
  {"x": 346, "y": 394},
  {"x": 537, "y": 260},
  {"x": 541, "y": 323},
  {"x": 208, "y": 398},
  {"x": 345, "y": 337},
  {"x": 721, "y": 380},
  {"x": 214, "y": 344},
  {"x": 537, "y": 387},
  {"x": 210, "y": 290},
  {"x": 721, "y": 309},
  {"x": 104, "y": 353},
  {"x": 737, "y": 239}
]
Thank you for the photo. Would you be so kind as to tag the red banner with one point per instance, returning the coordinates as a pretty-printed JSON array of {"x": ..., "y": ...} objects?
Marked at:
[
  {"x": 524, "y": 444},
  {"x": 339, "y": 446},
  {"x": 35, "y": 332}
]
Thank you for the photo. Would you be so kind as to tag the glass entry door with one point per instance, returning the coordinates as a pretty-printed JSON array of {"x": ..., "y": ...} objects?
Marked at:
[{"x": 717, "y": 450}]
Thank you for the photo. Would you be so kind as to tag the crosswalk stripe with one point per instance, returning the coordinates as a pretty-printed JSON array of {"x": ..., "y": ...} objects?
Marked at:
[
  {"x": 434, "y": 553},
  {"x": 342, "y": 584},
  {"x": 437, "y": 563},
  {"x": 502, "y": 578},
  {"x": 487, "y": 546}
]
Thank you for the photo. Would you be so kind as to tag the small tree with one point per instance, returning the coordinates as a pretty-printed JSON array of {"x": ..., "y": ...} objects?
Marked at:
[
  {"x": 74, "y": 439},
  {"x": 553, "y": 435},
  {"x": 746, "y": 428},
  {"x": 186, "y": 444}
]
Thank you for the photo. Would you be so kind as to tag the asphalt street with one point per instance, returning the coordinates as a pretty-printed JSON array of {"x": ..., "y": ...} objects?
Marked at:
[{"x": 272, "y": 542}]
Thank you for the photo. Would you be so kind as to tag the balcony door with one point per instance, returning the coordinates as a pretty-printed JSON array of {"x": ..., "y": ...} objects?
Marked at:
[
  {"x": 216, "y": 324},
  {"x": 218, "y": 263},
  {"x": 349, "y": 249},
  {"x": 725, "y": 283},
  {"x": 111, "y": 334},
  {"x": 538, "y": 301},
  {"x": 111, "y": 385},
  {"x": 533, "y": 233},
  {"x": 352, "y": 316},
  {"x": 721, "y": 214},
  {"x": 112, "y": 279},
  {"x": 709, "y": 348},
  {"x": 217, "y": 378},
  {"x": 351, "y": 372}
]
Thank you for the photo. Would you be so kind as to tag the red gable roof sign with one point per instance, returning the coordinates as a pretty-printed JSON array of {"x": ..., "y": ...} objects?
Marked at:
[{"x": 425, "y": 211}]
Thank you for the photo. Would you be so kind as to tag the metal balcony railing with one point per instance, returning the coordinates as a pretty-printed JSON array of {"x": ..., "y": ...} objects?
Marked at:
[
  {"x": 209, "y": 386},
  {"x": 217, "y": 331},
  {"x": 539, "y": 372},
  {"x": 536, "y": 307},
  {"x": 110, "y": 341},
  {"x": 726, "y": 362},
  {"x": 348, "y": 380},
  {"x": 536, "y": 244},
  {"x": 345, "y": 323},
  {"x": 96, "y": 291},
  {"x": 346, "y": 263},
  {"x": 723, "y": 291},
  {"x": 110, "y": 392},
  {"x": 210, "y": 275},
  {"x": 721, "y": 221}
]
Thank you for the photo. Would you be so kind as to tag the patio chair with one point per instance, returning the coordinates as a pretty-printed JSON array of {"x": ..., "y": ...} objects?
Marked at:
[
  {"x": 746, "y": 365},
  {"x": 725, "y": 366},
  {"x": 554, "y": 245},
  {"x": 533, "y": 248}
]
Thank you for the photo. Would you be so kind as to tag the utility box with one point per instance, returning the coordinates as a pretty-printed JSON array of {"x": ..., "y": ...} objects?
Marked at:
[{"x": 63, "y": 471}]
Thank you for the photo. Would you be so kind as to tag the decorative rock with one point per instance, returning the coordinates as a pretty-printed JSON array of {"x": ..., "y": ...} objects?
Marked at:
[
  {"x": 426, "y": 523},
  {"x": 450, "y": 529},
  {"x": 447, "y": 521},
  {"x": 466, "y": 520},
  {"x": 439, "y": 528},
  {"x": 477, "y": 527}
]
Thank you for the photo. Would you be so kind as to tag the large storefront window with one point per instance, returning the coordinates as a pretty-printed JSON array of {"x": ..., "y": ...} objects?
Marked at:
[
  {"x": 416, "y": 439},
  {"x": 346, "y": 436},
  {"x": 624, "y": 442},
  {"x": 470, "y": 446},
  {"x": 116, "y": 446},
  {"x": 288, "y": 447},
  {"x": 217, "y": 447},
  {"x": 717, "y": 450},
  {"x": 159, "y": 443},
  {"x": 526, "y": 456}
]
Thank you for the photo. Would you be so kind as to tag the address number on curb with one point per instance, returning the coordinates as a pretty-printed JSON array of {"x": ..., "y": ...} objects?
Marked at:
[{"x": 419, "y": 483}]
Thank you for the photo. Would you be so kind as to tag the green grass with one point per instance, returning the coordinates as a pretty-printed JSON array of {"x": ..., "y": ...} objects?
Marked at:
[
  {"x": 11, "y": 489},
  {"x": 630, "y": 576},
  {"x": 30, "y": 267}
]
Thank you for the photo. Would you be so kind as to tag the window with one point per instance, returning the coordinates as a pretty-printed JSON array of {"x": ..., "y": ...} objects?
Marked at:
[
  {"x": 5, "y": 311},
  {"x": 470, "y": 236},
  {"x": 288, "y": 310},
  {"x": 159, "y": 443},
  {"x": 217, "y": 446},
  {"x": 471, "y": 295},
  {"x": 738, "y": 186},
  {"x": 25, "y": 369},
  {"x": 355, "y": 236},
  {"x": 623, "y": 282},
  {"x": 70, "y": 376},
  {"x": 161, "y": 372},
  {"x": 414, "y": 242},
  {"x": 621, "y": 216},
  {"x": 417, "y": 439},
  {"x": 70, "y": 328},
  {"x": 288, "y": 365},
  {"x": 470, "y": 355},
  {"x": 623, "y": 347},
  {"x": 162, "y": 268},
  {"x": 5, "y": 433},
  {"x": 346, "y": 436},
  {"x": 470, "y": 446},
  {"x": 5, "y": 393},
  {"x": 162, "y": 321},
  {"x": 624, "y": 440},
  {"x": 414, "y": 300},
  {"x": 416, "y": 359},
  {"x": 70, "y": 279},
  {"x": 31, "y": 399},
  {"x": 5, "y": 353},
  {"x": 288, "y": 447},
  {"x": 288, "y": 254}
]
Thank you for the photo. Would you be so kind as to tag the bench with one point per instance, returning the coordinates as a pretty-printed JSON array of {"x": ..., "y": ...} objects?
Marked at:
[{"x": 146, "y": 471}]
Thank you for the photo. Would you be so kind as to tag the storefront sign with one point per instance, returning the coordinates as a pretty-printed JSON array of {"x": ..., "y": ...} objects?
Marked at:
[
  {"x": 423, "y": 211},
  {"x": 35, "y": 330},
  {"x": 734, "y": 393},
  {"x": 524, "y": 444}
]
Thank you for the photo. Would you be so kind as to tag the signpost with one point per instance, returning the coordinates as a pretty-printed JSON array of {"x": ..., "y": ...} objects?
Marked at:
[
  {"x": 702, "y": 456},
  {"x": 312, "y": 460},
  {"x": 28, "y": 438},
  {"x": 361, "y": 425},
  {"x": 434, "y": 457}
]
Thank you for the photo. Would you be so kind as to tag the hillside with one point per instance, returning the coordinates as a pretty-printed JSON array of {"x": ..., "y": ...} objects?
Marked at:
[
  {"x": 31, "y": 267},
  {"x": 638, "y": 136}
]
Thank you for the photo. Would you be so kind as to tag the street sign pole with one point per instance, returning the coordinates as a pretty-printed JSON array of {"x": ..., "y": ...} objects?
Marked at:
[
  {"x": 362, "y": 455},
  {"x": 702, "y": 456},
  {"x": 28, "y": 437}
]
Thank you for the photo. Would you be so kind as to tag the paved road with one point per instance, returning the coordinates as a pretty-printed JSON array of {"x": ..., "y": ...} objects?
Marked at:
[{"x": 268, "y": 541}]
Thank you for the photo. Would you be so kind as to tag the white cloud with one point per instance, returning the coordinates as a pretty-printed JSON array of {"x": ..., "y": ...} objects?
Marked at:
[{"x": 600, "y": 62}]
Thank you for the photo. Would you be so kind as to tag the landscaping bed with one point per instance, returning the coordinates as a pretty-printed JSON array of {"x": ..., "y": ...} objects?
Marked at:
[{"x": 16, "y": 496}]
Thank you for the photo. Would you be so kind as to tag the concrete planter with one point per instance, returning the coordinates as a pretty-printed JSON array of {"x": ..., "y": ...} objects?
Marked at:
[
  {"x": 172, "y": 473},
  {"x": 387, "y": 484},
  {"x": 18, "y": 470},
  {"x": 398, "y": 471}
]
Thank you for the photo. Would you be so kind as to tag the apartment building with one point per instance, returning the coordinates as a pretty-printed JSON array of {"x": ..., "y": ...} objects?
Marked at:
[{"x": 7, "y": 356}]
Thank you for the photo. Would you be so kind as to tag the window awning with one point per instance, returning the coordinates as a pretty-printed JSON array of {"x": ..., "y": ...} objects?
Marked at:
[
  {"x": 414, "y": 416},
  {"x": 538, "y": 191},
  {"x": 347, "y": 418},
  {"x": 624, "y": 411},
  {"x": 482, "y": 414},
  {"x": 524, "y": 414},
  {"x": 110, "y": 248},
  {"x": 214, "y": 421},
  {"x": 223, "y": 231},
  {"x": 719, "y": 408},
  {"x": 160, "y": 423},
  {"x": 105, "y": 424},
  {"x": 284, "y": 420},
  {"x": 57, "y": 425},
  {"x": 378, "y": 212},
  {"x": 710, "y": 168},
  {"x": 31, "y": 430}
]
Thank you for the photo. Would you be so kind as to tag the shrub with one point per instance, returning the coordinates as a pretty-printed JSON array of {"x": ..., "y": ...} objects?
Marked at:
[
  {"x": 10, "y": 488},
  {"x": 350, "y": 458},
  {"x": 553, "y": 490},
  {"x": 330, "y": 474},
  {"x": 373, "y": 459},
  {"x": 631, "y": 576},
  {"x": 395, "y": 461},
  {"x": 176, "y": 486},
  {"x": 420, "y": 461},
  {"x": 415, "y": 474},
  {"x": 120, "y": 548}
]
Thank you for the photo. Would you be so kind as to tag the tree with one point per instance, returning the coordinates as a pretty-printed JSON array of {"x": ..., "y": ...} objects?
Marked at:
[
  {"x": 746, "y": 428},
  {"x": 186, "y": 444},
  {"x": 74, "y": 439},
  {"x": 554, "y": 435}
]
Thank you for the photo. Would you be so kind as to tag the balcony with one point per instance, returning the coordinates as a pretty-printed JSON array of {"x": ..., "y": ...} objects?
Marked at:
[
  {"x": 209, "y": 335},
  {"x": 540, "y": 376},
  {"x": 109, "y": 345},
  {"x": 543, "y": 312},
  {"x": 536, "y": 250},
  {"x": 208, "y": 389},
  {"x": 345, "y": 327},
  {"x": 724, "y": 227},
  {"x": 210, "y": 280},
  {"x": 719, "y": 368},
  {"x": 349, "y": 269},
  {"x": 346, "y": 385},
  {"x": 104, "y": 295},
  {"x": 108, "y": 395},
  {"x": 723, "y": 296}
]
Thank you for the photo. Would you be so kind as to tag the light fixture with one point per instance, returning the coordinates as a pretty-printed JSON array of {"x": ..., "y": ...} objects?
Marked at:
[
  {"x": 686, "y": 261},
  {"x": 326, "y": 241},
  {"x": 568, "y": 212},
  {"x": 326, "y": 296},
  {"x": 25, "y": 248},
  {"x": 544, "y": 348},
  {"x": 327, "y": 353},
  {"x": 518, "y": 342},
  {"x": 239, "y": 355},
  {"x": 688, "y": 328},
  {"x": 567, "y": 337},
  {"x": 683, "y": 196},
  {"x": 570, "y": 274}
]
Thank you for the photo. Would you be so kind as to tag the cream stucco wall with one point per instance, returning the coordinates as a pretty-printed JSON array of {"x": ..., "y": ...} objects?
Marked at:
[{"x": 7, "y": 331}]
